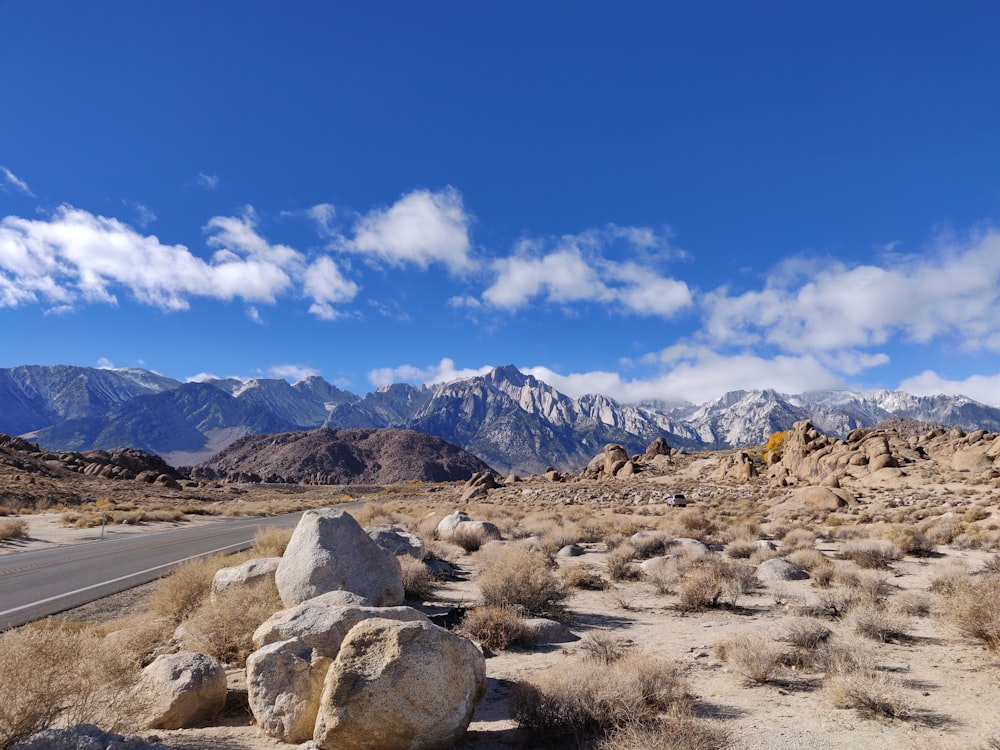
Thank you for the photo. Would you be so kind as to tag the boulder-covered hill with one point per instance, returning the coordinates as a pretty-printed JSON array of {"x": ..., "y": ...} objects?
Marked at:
[{"x": 342, "y": 456}]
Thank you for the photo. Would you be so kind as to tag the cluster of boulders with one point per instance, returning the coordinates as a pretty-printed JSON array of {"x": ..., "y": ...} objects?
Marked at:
[
  {"x": 344, "y": 664},
  {"x": 873, "y": 455},
  {"x": 121, "y": 463},
  {"x": 614, "y": 460}
]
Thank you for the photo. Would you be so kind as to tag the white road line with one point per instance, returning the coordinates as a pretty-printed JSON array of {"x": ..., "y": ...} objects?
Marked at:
[{"x": 116, "y": 580}]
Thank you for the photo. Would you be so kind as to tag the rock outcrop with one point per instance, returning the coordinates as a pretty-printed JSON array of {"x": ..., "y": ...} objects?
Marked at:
[
  {"x": 184, "y": 690},
  {"x": 400, "y": 686},
  {"x": 329, "y": 551}
]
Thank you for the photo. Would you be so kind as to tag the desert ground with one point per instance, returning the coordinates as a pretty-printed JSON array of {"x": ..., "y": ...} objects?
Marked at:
[{"x": 874, "y": 649}]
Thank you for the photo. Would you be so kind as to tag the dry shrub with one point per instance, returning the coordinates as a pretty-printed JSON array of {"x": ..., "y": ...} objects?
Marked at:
[
  {"x": 179, "y": 594},
  {"x": 741, "y": 548},
  {"x": 975, "y": 513},
  {"x": 56, "y": 672},
  {"x": 523, "y": 579},
  {"x": 588, "y": 698},
  {"x": 910, "y": 540},
  {"x": 806, "y": 633},
  {"x": 870, "y": 691},
  {"x": 418, "y": 581},
  {"x": 579, "y": 576},
  {"x": 13, "y": 528},
  {"x": 695, "y": 524},
  {"x": 871, "y": 553},
  {"x": 558, "y": 537},
  {"x": 913, "y": 604},
  {"x": 755, "y": 659},
  {"x": 871, "y": 587},
  {"x": 620, "y": 566},
  {"x": 972, "y": 607},
  {"x": 833, "y": 603},
  {"x": 798, "y": 539},
  {"x": 224, "y": 628},
  {"x": 649, "y": 544},
  {"x": 371, "y": 514},
  {"x": 875, "y": 622},
  {"x": 678, "y": 729},
  {"x": 163, "y": 515},
  {"x": 808, "y": 558},
  {"x": 714, "y": 582},
  {"x": 604, "y": 647},
  {"x": 138, "y": 635},
  {"x": 472, "y": 538},
  {"x": 271, "y": 541},
  {"x": 498, "y": 628}
]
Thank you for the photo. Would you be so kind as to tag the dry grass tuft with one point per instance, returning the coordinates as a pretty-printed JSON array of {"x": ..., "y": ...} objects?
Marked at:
[
  {"x": 13, "y": 528},
  {"x": 805, "y": 632},
  {"x": 224, "y": 628},
  {"x": 971, "y": 605},
  {"x": 714, "y": 582},
  {"x": 580, "y": 576},
  {"x": 523, "y": 579},
  {"x": 589, "y": 698},
  {"x": 875, "y": 622},
  {"x": 620, "y": 560},
  {"x": 753, "y": 657},
  {"x": 59, "y": 673},
  {"x": 871, "y": 553},
  {"x": 271, "y": 542},
  {"x": 498, "y": 628},
  {"x": 676, "y": 730},
  {"x": 604, "y": 647},
  {"x": 871, "y": 692},
  {"x": 418, "y": 581}
]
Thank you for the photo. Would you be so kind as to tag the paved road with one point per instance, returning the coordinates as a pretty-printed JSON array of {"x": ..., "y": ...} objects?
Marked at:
[{"x": 43, "y": 582}]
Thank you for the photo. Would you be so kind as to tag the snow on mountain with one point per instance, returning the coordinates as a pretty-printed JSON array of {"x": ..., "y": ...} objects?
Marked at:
[{"x": 512, "y": 420}]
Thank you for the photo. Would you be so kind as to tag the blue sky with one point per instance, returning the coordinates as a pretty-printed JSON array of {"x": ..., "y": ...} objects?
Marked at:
[{"x": 649, "y": 200}]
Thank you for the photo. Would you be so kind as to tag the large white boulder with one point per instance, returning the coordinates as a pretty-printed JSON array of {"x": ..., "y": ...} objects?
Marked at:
[
  {"x": 329, "y": 551},
  {"x": 324, "y": 627},
  {"x": 446, "y": 526},
  {"x": 284, "y": 685},
  {"x": 258, "y": 569},
  {"x": 400, "y": 686},
  {"x": 184, "y": 690},
  {"x": 398, "y": 540}
]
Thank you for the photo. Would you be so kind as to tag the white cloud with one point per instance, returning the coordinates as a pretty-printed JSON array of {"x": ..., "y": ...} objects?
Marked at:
[
  {"x": 694, "y": 374},
  {"x": 294, "y": 373},
  {"x": 323, "y": 215},
  {"x": 76, "y": 257},
  {"x": 983, "y": 388},
  {"x": 15, "y": 182},
  {"x": 951, "y": 292},
  {"x": 201, "y": 377},
  {"x": 105, "y": 364},
  {"x": 144, "y": 214},
  {"x": 208, "y": 181},
  {"x": 420, "y": 228},
  {"x": 443, "y": 372},
  {"x": 254, "y": 314},
  {"x": 697, "y": 374},
  {"x": 577, "y": 270},
  {"x": 327, "y": 286}
]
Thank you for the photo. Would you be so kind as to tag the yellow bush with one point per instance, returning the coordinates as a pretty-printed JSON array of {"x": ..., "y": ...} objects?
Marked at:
[{"x": 775, "y": 444}]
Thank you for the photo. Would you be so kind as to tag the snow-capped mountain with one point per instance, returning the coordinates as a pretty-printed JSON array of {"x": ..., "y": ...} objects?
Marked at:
[{"x": 511, "y": 420}]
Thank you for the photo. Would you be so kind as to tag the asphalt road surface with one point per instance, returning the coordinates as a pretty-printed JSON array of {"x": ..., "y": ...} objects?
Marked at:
[{"x": 43, "y": 582}]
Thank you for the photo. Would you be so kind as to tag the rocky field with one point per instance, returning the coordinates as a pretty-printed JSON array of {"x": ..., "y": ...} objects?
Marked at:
[{"x": 813, "y": 593}]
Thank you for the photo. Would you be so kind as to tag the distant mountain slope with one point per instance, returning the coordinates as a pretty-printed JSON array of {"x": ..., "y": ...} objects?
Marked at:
[
  {"x": 163, "y": 423},
  {"x": 355, "y": 456},
  {"x": 36, "y": 396},
  {"x": 509, "y": 419}
]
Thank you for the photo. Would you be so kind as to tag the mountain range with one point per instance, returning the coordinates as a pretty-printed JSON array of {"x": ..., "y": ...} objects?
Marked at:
[{"x": 509, "y": 419}]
